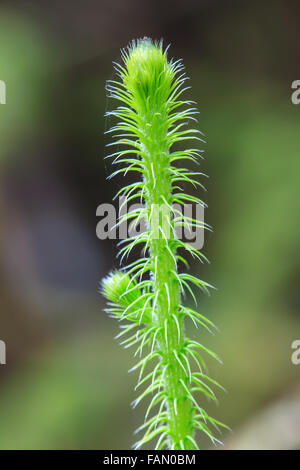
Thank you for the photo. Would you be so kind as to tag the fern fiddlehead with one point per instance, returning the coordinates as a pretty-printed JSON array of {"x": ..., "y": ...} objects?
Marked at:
[{"x": 151, "y": 119}]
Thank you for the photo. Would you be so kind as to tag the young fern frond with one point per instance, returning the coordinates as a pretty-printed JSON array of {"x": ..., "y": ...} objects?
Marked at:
[{"x": 147, "y": 294}]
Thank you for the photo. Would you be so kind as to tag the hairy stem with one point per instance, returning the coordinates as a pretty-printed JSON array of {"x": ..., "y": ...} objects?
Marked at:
[
  {"x": 151, "y": 119},
  {"x": 166, "y": 287}
]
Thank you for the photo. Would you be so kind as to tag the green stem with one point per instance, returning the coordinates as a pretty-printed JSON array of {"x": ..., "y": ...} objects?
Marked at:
[
  {"x": 151, "y": 119},
  {"x": 166, "y": 287}
]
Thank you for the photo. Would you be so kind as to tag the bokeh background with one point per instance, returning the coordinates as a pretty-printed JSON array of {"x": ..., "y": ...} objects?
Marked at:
[{"x": 65, "y": 384}]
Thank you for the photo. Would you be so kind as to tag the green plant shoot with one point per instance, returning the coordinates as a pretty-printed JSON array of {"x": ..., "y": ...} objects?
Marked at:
[{"x": 147, "y": 294}]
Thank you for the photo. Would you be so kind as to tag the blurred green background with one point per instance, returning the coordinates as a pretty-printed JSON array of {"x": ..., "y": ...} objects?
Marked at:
[{"x": 65, "y": 384}]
